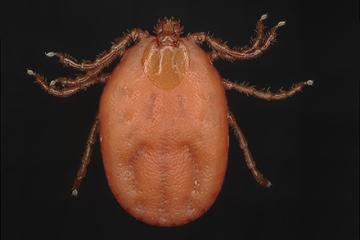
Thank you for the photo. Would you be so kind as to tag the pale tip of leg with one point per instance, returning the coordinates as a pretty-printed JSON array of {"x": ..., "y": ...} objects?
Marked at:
[
  {"x": 281, "y": 23},
  {"x": 74, "y": 193},
  {"x": 50, "y": 54},
  {"x": 52, "y": 83},
  {"x": 309, "y": 82},
  {"x": 268, "y": 184},
  {"x": 264, "y": 16},
  {"x": 30, "y": 72}
]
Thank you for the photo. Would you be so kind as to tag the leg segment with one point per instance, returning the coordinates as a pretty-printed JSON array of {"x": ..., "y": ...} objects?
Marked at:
[
  {"x": 266, "y": 95},
  {"x": 263, "y": 181},
  {"x": 260, "y": 27},
  {"x": 117, "y": 49},
  {"x": 86, "y": 158},
  {"x": 78, "y": 84},
  {"x": 66, "y": 82},
  {"x": 258, "y": 46}
]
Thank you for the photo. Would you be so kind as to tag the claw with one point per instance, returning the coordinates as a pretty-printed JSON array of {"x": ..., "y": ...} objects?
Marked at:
[
  {"x": 309, "y": 82},
  {"x": 74, "y": 193},
  {"x": 281, "y": 23},
  {"x": 50, "y": 54},
  {"x": 263, "y": 17},
  {"x": 30, "y": 72}
]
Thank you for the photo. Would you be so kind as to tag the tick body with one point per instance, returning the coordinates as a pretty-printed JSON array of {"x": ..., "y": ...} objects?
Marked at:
[
  {"x": 163, "y": 119},
  {"x": 164, "y": 148}
]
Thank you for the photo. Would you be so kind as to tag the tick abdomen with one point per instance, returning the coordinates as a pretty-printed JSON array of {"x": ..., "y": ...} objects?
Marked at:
[
  {"x": 164, "y": 150},
  {"x": 163, "y": 184}
]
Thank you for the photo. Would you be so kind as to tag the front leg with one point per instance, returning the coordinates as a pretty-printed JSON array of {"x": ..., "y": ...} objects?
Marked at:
[
  {"x": 117, "y": 50},
  {"x": 258, "y": 46},
  {"x": 266, "y": 95},
  {"x": 260, "y": 34}
]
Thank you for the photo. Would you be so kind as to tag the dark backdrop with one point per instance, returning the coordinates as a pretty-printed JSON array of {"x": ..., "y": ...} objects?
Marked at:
[{"x": 307, "y": 145}]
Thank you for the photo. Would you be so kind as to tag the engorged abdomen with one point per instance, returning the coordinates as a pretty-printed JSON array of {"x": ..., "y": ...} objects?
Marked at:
[
  {"x": 164, "y": 185},
  {"x": 164, "y": 151},
  {"x": 163, "y": 174}
]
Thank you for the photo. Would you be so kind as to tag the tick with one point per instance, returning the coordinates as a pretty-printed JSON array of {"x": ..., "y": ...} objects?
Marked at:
[{"x": 163, "y": 118}]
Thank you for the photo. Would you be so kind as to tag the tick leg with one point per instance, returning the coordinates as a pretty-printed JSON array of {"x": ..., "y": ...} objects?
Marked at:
[
  {"x": 104, "y": 59},
  {"x": 263, "y": 181},
  {"x": 68, "y": 82},
  {"x": 266, "y": 94},
  {"x": 77, "y": 84},
  {"x": 255, "y": 43},
  {"x": 70, "y": 86},
  {"x": 85, "y": 158},
  {"x": 259, "y": 45}
]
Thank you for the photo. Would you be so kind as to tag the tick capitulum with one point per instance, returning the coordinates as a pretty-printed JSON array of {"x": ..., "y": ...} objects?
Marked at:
[
  {"x": 163, "y": 118},
  {"x": 168, "y": 32}
]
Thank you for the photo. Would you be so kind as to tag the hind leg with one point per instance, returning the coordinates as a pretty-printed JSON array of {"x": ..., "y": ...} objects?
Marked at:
[
  {"x": 81, "y": 173},
  {"x": 259, "y": 177}
]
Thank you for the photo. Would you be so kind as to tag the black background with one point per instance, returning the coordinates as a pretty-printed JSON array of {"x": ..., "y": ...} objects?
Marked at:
[{"x": 306, "y": 145}]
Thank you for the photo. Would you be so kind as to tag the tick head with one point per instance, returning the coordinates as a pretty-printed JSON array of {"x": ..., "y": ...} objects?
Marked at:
[{"x": 168, "y": 32}]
